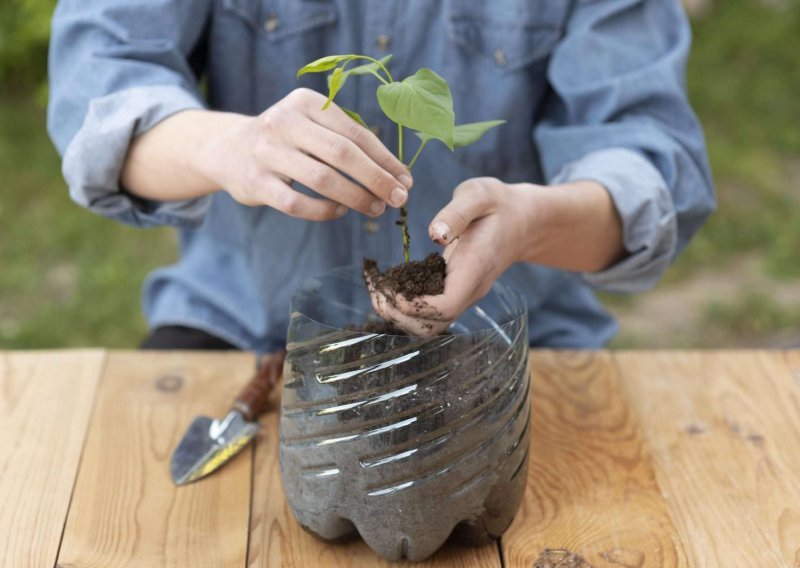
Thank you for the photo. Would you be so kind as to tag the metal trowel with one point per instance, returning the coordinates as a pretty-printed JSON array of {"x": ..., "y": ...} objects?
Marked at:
[{"x": 210, "y": 443}]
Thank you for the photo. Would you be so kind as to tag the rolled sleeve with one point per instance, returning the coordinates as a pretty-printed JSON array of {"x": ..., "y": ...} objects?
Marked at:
[
  {"x": 94, "y": 158},
  {"x": 617, "y": 113},
  {"x": 644, "y": 204},
  {"x": 116, "y": 70}
]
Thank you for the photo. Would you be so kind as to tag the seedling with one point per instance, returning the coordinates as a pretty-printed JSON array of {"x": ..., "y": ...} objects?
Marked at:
[{"x": 421, "y": 102}]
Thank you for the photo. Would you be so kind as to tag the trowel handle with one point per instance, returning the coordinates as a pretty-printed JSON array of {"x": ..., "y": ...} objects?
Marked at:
[{"x": 252, "y": 400}]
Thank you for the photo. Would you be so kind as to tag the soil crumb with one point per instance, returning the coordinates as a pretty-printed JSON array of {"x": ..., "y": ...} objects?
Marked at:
[
  {"x": 380, "y": 327},
  {"x": 560, "y": 558},
  {"x": 412, "y": 280}
]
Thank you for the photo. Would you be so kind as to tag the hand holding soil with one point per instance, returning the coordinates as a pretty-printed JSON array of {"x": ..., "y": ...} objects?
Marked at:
[
  {"x": 483, "y": 229},
  {"x": 412, "y": 282}
]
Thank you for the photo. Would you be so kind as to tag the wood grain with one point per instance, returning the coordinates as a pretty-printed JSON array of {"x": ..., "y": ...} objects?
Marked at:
[
  {"x": 277, "y": 540},
  {"x": 637, "y": 459},
  {"x": 591, "y": 484},
  {"x": 724, "y": 431},
  {"x": 125, "y": 510},
  {"x": 45, "y": 406}
]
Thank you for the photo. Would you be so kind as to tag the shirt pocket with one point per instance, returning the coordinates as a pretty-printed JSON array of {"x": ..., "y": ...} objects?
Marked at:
[
  {"x": 509, "y": 35},
  {"x": 495, "y": 60},
  {"x": 263, "y": 43}
]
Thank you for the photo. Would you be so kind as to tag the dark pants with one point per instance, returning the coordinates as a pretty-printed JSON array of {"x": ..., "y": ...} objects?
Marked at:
[{"x": 179, "y": 337}]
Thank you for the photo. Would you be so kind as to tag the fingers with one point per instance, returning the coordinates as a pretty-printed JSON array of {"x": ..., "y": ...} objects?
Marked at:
[
  {"x": 345, "y": 155},
  {"x": 472, "y": 266},
  {"x": 471, "y": 200},
  {"x": 409, "y": 324},
  {"x": 280, "y": 196},
  {"x": 334, "y": 119},
  {"x": 335, "y": 139},
  {"x": 326, "y": 181},
  {"x": 449, "y": 250}
]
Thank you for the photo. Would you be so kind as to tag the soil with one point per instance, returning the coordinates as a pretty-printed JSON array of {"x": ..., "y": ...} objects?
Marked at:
[
  {"x": 380, "y": 327},
  {"x": 378, "y": 465},
  {"x": 560, "y": 558},
  {"x": 411, "y": 280}
]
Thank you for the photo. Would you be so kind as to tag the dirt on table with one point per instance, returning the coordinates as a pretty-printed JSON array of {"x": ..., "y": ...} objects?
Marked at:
[
  {"x": 560, "y": 558},
  {"x": 411, "y": 280}
]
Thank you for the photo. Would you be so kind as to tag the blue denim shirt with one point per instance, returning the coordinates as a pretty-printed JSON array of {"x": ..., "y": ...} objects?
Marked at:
[{"x": 590, "y": 89}]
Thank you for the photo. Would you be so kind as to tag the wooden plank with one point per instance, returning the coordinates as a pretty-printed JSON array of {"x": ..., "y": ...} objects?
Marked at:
[
  {"x": 724, "y": 432},
  {"x": 125, "y": 510},
  {"x": 277, "y": 540},
  {"x": 45, "y": 404},
  {"x": 591, "y": 485}
]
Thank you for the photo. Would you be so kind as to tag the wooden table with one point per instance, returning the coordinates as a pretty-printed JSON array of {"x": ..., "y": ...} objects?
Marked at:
[{"x": 638, "y": 459}]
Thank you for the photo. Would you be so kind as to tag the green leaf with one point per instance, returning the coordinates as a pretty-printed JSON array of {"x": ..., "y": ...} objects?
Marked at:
[
  {"x": 324, "y": 64},
  {"x": 335, "y": 84},
  {"x": 355, "y": 116},
  {"x": 422, "y": 102},
  {"x": 466, "y": 134}
]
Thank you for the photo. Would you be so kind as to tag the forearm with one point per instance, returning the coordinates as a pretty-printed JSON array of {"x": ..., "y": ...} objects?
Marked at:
[
  {"x": 169, "y": 161},
  {"x": 574, "y": 226}
]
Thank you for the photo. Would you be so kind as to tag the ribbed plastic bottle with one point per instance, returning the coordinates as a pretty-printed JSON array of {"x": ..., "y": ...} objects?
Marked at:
[{"x": 404, "y": 441}]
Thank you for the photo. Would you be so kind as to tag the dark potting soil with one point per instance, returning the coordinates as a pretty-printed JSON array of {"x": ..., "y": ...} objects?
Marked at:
[
  {"x": 380, "y": 327},
  {"x": 560, "y": 558},
  {"x": 412, "y": 280}
]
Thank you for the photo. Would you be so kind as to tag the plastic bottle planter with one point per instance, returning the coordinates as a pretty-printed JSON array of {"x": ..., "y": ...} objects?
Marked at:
[{"x": 404, "y": 439}]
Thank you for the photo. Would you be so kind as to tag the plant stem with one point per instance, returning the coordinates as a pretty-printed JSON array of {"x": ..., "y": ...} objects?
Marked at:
[
  {"x": 381, "y": 79},
  {"x": 406, "y": 237},
  {"x": 403, "y": 210},
  {"x": 414, "y": 159},
  {"x": 400, "y": 143},
  {"x": 379, "y": 64}
]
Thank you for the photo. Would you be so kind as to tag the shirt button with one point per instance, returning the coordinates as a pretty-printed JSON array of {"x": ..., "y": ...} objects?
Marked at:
[
  {"x": 271, "y": 23},
  {"x": 372, "y": 227},
  {"x": 383, "y": 42},
  {"x": 376, "y": 130},
  {"x": 500, "y": 57}
]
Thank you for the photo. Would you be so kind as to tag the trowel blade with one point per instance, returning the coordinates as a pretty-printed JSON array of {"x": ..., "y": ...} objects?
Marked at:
[{"x": 208, "y": 444}]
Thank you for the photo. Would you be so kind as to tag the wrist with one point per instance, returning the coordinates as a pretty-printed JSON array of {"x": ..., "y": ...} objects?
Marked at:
[
  {"x": 214, "y": 135},
  {"x": 573, "y": 226},
  {"x": 176, "y": 159}
]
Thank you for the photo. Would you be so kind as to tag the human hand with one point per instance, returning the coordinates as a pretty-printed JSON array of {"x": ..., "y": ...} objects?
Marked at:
[
  {"x": 490, "y": 225},
  {"x": 483, "y": 229},
  {"x": 257, "y": 158}
]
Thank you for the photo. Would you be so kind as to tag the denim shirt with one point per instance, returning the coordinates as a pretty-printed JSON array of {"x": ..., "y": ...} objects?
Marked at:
[{"x": 590, "y": 90}]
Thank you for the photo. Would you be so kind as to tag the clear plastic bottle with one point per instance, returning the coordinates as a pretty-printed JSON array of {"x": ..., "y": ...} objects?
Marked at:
[{"x": 406, "y": 441}]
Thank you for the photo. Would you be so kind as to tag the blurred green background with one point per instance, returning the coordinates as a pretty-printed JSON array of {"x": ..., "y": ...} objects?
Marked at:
[{"x": 68, "y": 278}]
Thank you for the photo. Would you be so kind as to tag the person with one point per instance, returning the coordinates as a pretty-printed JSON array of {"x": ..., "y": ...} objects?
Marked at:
[{"x": 189, "y": 114}]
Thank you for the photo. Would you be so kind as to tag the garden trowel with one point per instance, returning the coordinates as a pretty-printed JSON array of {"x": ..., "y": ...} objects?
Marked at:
[{"x": 210, "y": 443}]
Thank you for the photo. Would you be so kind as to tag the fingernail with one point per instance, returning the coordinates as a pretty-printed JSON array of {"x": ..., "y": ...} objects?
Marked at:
[
  {"x": 341, "y": 210},
  {"x": 441, "y": 230},
  {"x": 398, "y": 196},
  {"x": 405, "y": 180},
  {"x": 377, "y": 207}
]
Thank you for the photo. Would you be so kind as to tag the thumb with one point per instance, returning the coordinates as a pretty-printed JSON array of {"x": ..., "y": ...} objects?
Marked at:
[{"x": 471, "y": 201}]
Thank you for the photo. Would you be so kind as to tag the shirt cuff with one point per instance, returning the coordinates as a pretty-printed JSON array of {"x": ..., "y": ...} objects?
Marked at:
[
  {"x": 644, "y": 203},
  {"x": 94, "y": 159}
]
